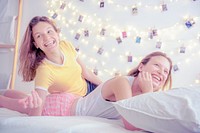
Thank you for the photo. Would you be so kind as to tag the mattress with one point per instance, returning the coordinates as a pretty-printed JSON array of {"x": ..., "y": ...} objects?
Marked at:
[{"x": 15, "y": 122}]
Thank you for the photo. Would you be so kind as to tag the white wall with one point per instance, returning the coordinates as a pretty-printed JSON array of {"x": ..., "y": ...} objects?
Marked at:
[
  {"x": 8, "y": 9},
  {"x": 114, "y": 18}
]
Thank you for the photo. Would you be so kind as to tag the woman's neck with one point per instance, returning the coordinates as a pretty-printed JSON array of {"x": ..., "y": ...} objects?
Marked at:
[{"x": 56, "y": 57}]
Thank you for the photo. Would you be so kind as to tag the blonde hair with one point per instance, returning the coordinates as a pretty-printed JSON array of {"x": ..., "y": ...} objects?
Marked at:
[
  {"x": 134, "y": 72},
  {"x": 30, "y": 56}
]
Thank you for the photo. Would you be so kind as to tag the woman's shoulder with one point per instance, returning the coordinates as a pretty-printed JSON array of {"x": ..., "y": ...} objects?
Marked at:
[
  {"x": 43, "y": 65},
  {"x": 43, "y": 70},
  {"x": 129, "y": 78},
  {"x": 67, "y": 47},
  {"x": 64, "y": 43},
  {"x": 125, "y": 77}
]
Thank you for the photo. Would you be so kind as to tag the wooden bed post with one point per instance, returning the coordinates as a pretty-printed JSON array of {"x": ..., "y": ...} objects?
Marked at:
[{"x": 17, "y": 37}]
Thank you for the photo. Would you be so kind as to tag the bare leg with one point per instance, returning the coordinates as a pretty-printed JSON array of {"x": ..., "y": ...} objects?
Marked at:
[
  {"x": 15, "y": 94},
  {"x": 11, "y": 100}
]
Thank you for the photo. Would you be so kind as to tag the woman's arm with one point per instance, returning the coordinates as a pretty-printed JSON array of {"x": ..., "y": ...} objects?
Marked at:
[
  {"x": 87, "y": 74},
  {"x": 116, "y": 89}
]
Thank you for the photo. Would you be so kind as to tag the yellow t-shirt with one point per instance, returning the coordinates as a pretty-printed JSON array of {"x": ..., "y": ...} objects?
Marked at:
[{"x": 68, "y": 74}]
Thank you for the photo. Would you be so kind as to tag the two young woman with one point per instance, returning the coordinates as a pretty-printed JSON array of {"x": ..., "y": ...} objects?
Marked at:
[{"x": 152, "y": 74}]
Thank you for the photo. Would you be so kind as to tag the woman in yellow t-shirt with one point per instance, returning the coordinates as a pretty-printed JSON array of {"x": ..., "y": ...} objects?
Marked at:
[{"x": 48, "y": 60}]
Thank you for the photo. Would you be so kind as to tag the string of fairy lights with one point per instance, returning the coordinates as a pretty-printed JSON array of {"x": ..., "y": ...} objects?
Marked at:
[{"x": 109, "y": 42}]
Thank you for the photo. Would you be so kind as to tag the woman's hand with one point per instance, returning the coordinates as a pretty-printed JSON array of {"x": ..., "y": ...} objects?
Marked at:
[
  {"x": 145, "y": 82},
  {"x": 32, "y": 101}
]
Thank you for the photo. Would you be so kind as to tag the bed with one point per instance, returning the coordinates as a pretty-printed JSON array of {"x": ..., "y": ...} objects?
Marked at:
[
  {"x": 172, "y": 111},
  {"x": 15, "y": 122}
]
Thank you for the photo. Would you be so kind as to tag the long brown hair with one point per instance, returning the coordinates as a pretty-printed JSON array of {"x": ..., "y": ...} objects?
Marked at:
[
  {"x": 134, "y": 72},
  {"x": 30, "y": 56}
]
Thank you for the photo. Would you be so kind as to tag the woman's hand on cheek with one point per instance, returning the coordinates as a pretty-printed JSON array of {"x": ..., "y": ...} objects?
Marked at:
[{"x": 145, "y": 82}]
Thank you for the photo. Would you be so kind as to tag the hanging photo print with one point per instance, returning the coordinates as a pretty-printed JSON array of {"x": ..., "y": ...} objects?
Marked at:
[
  {"x": 63, "y": 6},
  {"x": 119, "y": 40},
  {"x": 100, "y": 51},
  {"x": 80, "y": 18},
  {"x": 152, "y": 33},
  {"x": 86, "y": 33},
  {"x": 124, "y": 34},
  {"x": 102, "y": 32},
  {"x": 158, "y": 44},
  {"x": 101, "y": 4},
  {"x": 138, "y": 39},
  {"x": 134, "y": 10},
  {"x": 54, "y": 15},
  {"x": 164, "y": 7},
  {"x": 175, "y": 68},
  {"x": 189, "y": 23},
  {"x": 77, "y": 49},
  {"x": 182, "y": 49},
  {"x": 95, "y": 71},
  {"x": 130, "y": 58},
  {"x": 77, "y": 36}
]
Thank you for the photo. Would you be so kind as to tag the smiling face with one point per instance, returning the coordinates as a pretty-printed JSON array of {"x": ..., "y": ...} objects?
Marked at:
[
  {"x": 158, "y": 67},
  {"x": 45, "y": 37}
]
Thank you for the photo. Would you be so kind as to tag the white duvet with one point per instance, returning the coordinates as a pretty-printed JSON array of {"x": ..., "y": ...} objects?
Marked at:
[{"x": 14, "y": 122}]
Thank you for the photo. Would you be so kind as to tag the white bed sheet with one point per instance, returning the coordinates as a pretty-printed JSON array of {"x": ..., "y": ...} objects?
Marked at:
[{"x": 15, "y": 122}]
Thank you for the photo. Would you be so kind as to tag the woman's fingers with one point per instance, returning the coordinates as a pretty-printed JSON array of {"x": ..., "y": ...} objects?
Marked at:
[
  {"x": 39, "y": 100},
  {"x": 145, "y": 76},
  {"x": 35, "y": 99},
  {"x": 145, "y": 81},
  {"x": 30, "y": 101}
]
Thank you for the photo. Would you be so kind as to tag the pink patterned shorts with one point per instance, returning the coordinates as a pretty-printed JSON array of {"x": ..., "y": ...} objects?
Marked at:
[{"x": 58, "y": 104}]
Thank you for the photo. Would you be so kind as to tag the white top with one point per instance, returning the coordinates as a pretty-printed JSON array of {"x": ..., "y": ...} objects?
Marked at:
[{"x": 95, "y": 105}]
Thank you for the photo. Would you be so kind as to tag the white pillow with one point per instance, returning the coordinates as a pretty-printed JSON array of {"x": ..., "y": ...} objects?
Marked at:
[{"x": 173, "y": 111}]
